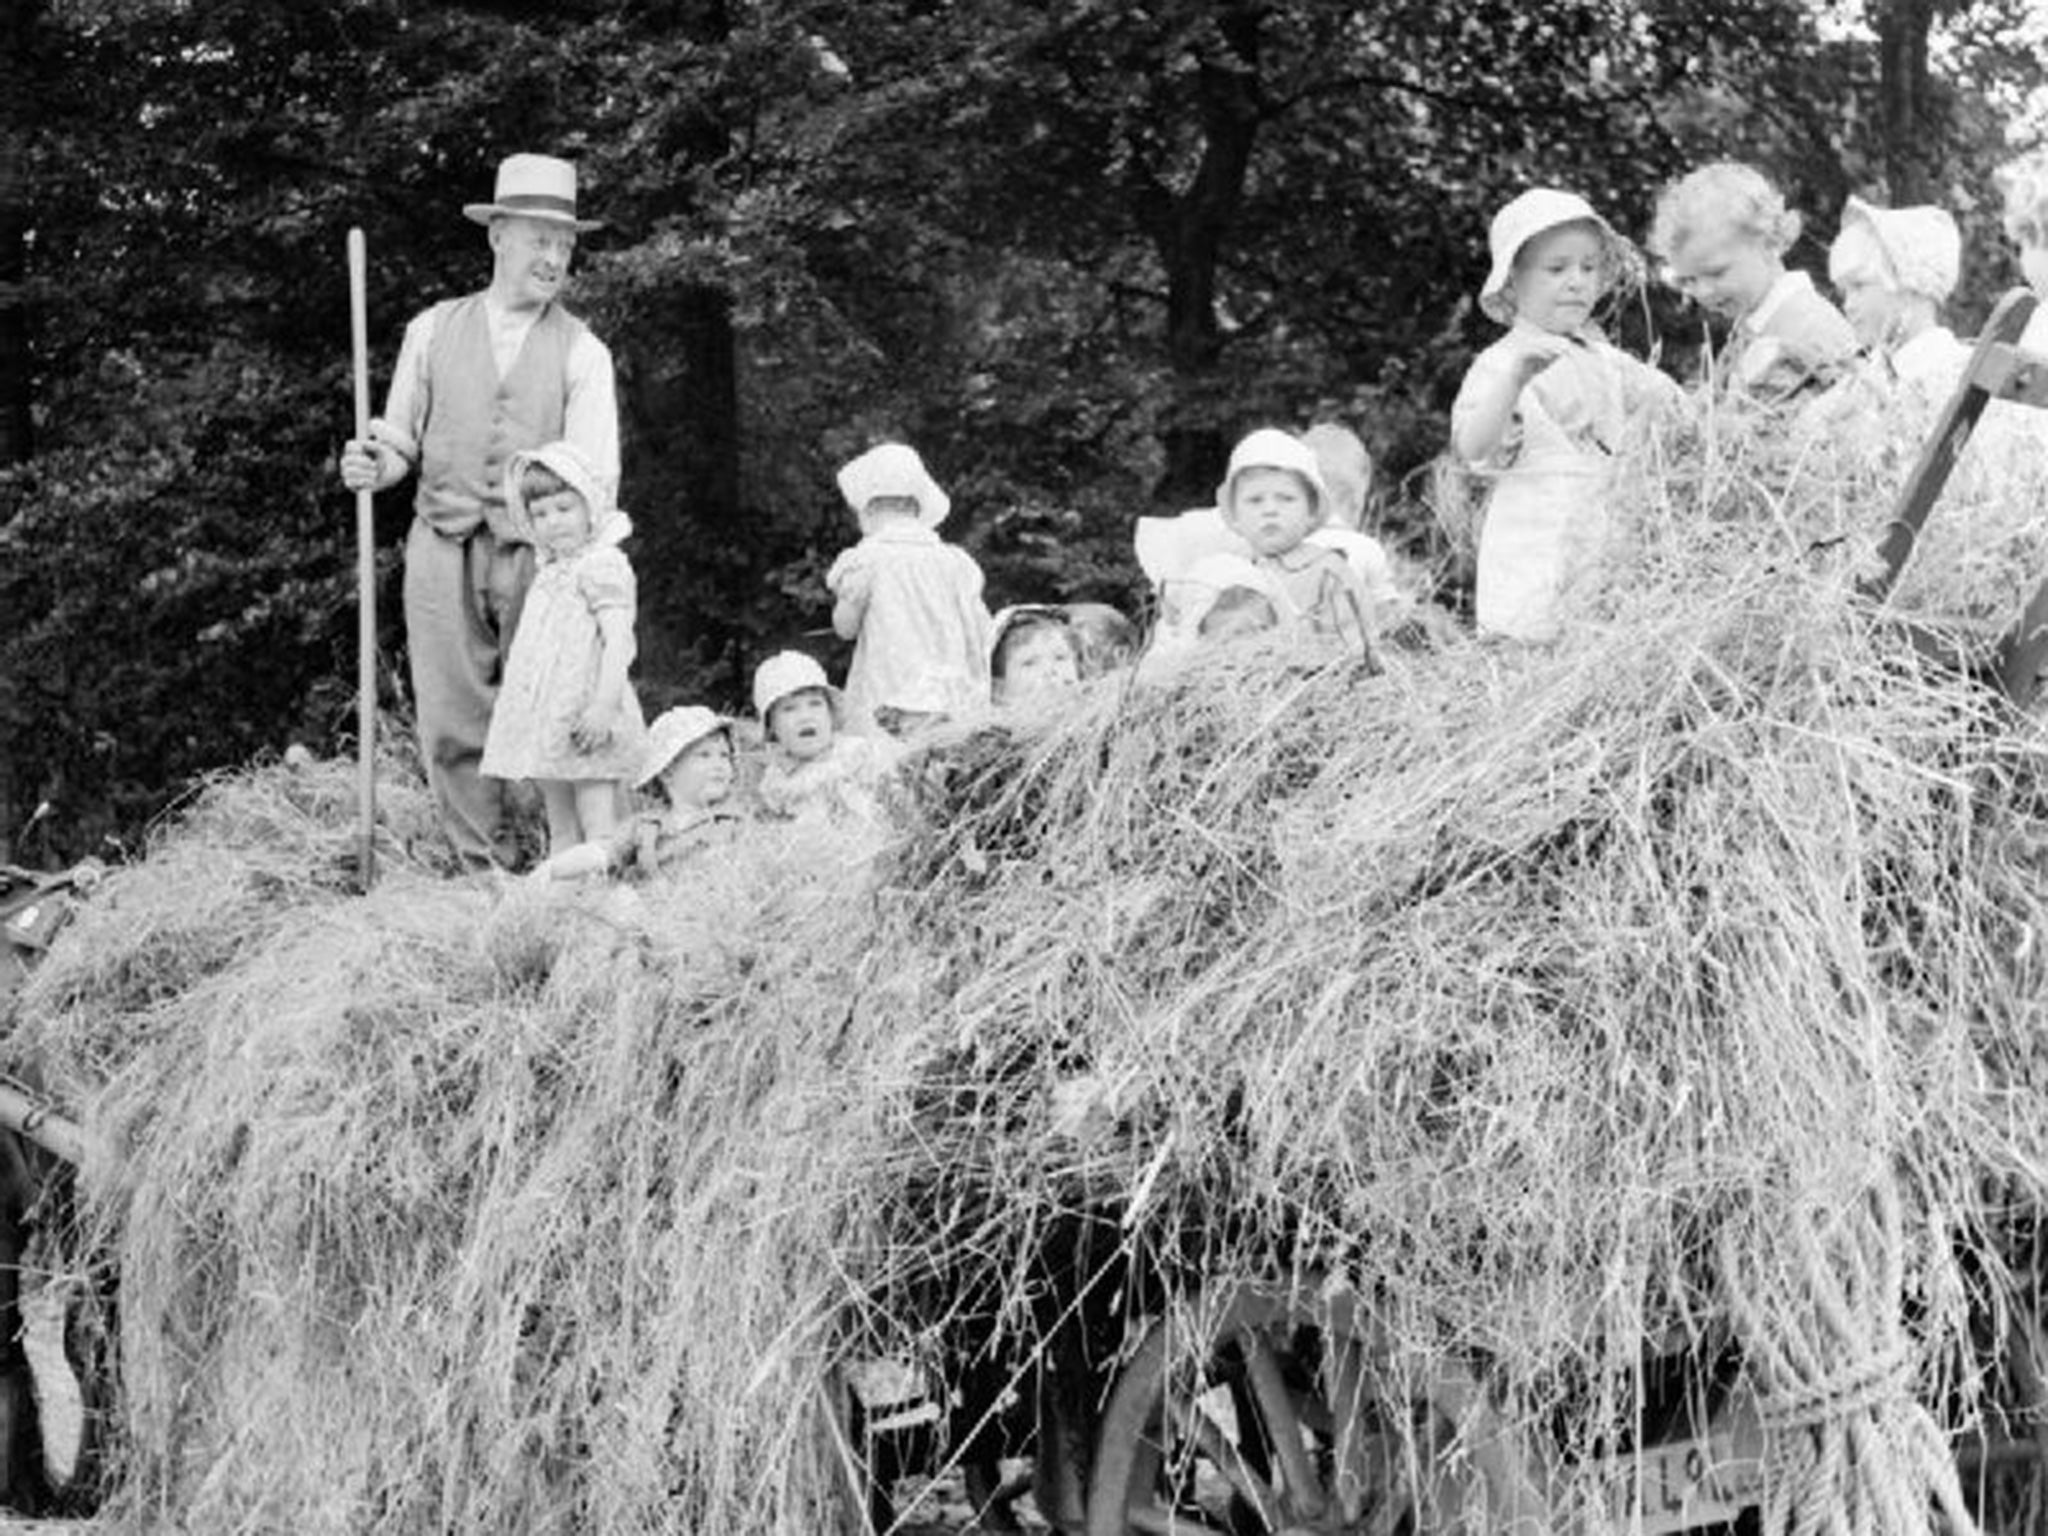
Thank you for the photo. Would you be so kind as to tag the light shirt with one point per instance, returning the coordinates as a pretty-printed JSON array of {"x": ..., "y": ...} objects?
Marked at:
[{"x": 590, "y": 417}]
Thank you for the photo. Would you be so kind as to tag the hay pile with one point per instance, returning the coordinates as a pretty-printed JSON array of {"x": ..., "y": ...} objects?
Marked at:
[{"x": 1540, "y": 997}]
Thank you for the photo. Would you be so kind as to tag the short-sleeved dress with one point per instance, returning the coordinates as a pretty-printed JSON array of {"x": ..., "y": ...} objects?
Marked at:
[
  {"x": 924, "y": 632},
  {"x": 1546, "y": 527},
  {"x": 554, "y": 667}
]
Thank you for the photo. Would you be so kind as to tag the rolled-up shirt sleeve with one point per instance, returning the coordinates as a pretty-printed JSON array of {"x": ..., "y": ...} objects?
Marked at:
[{"x": 590, "y": 417}]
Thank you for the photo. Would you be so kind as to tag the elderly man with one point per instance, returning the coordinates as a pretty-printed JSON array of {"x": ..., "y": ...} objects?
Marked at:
[{"x": 478, "y": 379}]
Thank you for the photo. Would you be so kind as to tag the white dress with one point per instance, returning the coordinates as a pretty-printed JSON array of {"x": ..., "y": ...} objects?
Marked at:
[
  {"x": 553, "y": 670},
  {"x": 1546, "y": 520}
]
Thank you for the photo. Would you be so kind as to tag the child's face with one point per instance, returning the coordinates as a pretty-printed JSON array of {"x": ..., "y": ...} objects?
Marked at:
[
  {"x": 801, "y": 724},
  {"x": 1725, "y": 269},
  {"x": 1557, "y": 277},
  {"x": 1234, "y": 621},
  {"x": 561, "y": 520},
  {"x": 701, "y": 775},
  {"x": 1038, "y": 662},
  {"x": 1273, "y": 510}
]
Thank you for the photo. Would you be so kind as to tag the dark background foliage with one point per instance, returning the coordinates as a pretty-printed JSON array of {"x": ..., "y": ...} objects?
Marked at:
[{"x": 1068, "y": 249}]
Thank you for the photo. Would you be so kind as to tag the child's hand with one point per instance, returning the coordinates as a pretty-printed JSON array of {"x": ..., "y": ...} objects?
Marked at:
[
  {"x": 1539, "y": 352},
  {"x": 592, "y": 730}
]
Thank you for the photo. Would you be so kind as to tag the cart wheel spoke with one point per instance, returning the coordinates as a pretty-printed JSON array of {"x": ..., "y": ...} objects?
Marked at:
[{"x": 1302, "y": 1488}]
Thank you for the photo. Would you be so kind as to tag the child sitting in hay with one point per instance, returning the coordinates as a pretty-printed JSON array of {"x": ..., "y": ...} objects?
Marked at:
[
  {"x": 1035, "y": 654},
  {"x": 1273, "y": 497},
  {"x": 1544, "y": 411},
  {"x": 816, "y": 770},
  {"x": 690, "y": 755},
  {"x": 1723, "y": 231},
  {"x": 910, "y": 602}
]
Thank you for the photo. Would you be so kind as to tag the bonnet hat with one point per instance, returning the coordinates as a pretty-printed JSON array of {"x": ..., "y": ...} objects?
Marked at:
[
  {"x": 1271, "y": 448},
  {"x": 1522, "y": 220},
  {"x": 788, "y": 672},
  {"x": 607, "y": 523},
  {"x": 894, "y": 469},
  {"x": 1922, "y": 245},
  {"x": 673, "y": 733},
  {"x": 533, "y": 187}
]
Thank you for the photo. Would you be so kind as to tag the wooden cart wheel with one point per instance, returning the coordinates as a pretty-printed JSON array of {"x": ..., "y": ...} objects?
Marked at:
[{"x": 1269, "y": 1421}]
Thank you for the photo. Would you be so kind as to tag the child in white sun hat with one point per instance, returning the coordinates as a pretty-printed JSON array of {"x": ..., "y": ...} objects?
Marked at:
[
  {"x": 1895, "y": 268},
  {"x": 1543, "y": 412},
  {"x": 815, "y": 769},
  {"x": 566, "y": 717},
  {"x": 910, "y": 602},
  {"x": 1273, "y": 498},
  {"x": 690, "y": 757}
]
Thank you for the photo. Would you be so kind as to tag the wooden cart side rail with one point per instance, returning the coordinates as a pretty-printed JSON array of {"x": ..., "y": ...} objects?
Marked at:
[{"x": 38, "y": 1120}]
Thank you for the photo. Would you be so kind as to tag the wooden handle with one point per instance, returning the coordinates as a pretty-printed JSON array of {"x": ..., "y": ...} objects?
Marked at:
[{"x": 366, "y": 574}]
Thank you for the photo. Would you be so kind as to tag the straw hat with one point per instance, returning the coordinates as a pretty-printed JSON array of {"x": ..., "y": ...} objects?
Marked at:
[
  {"x": 894, "y": 469},
  {"x": 673, "y": 733},
  {"x": 576, "y": 473},
  {"x": 1922, "y": 244},
  {"x": 1522, "y": 220},
  {"x": 1270, "y": 448},
  {"x": 788, "y": 672},
  {"x": 533, "y": 187}
]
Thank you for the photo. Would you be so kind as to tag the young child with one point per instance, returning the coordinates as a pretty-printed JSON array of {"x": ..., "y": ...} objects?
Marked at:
[
  {"x": 566, "y": 716},
  {"x": 2023, "y": 190},
  {"x": 1895, "y": 268},
  {"x": 1273, "y": 497},
  {"x": 815, "y": 769},
  {"x": 690, "y": 755},
  {"x": 1237, "y": 612},
  {"x": 1542, "y": 412},
  {"x": 1035, "y": 654},
  {"x": 1109, "y": 640},
  {"x": 1347, "y": 474},
  {"x": 1722, "y": 232},
  {"x": 910, "y": 602}
]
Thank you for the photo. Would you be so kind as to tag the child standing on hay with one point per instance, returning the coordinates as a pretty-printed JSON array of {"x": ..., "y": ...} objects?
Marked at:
[
  {"x": 1035, "y": 654},
  {"x": 815, "y": 769},
  {"x": 690, "y": 756},
  {"x": 909, "y": 601},
  {"x": 566, "y": 716},
  {"x": 1543, "y": 412},
  {"x": 1273, "y": 498},
  {"x": 1723, "y": 231}
]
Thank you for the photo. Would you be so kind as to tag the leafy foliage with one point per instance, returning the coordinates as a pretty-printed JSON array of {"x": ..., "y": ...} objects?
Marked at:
[{"x": 1068, "y": 249}]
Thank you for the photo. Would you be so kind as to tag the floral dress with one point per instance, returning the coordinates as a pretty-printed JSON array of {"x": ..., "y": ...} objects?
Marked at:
[{"x": 554, "y": 667}]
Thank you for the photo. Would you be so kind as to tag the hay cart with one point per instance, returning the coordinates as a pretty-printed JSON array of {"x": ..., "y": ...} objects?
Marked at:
[
  {"x": 1238, "y": 1408},
  {"x": 43, "y": 1422}
]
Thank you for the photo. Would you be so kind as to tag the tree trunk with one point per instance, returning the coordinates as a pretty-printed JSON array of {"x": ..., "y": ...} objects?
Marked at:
[
  {"x": 685, "y": 414},
  {"x": 1188, "y": 230},
  {"x": 18, "y": 20},
  {"x": 1902, "y": 32}
]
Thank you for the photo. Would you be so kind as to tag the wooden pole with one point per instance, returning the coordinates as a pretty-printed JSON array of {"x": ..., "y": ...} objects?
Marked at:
[{"x": 366, "y": 576}]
